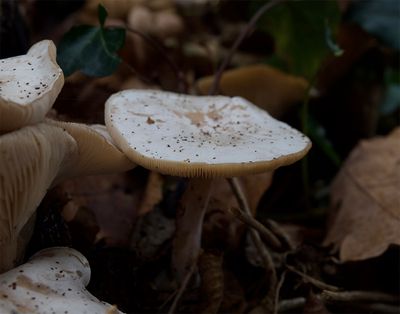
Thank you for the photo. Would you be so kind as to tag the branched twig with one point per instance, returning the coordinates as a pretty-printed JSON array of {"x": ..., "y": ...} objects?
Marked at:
[
  {"x": 267, "y": 235},
  {"x": 214, "y": 87},
  {"x": 182, "y": 288},
  {"x": 278, "y": 291},
  {"x": 364, "y": 296},
  {"x": 139, "y": 75},
  {"x": 315, "y": 282},
  {"x": 183, "y": 84},
  {"x": 291, "y": 304},
  {"x": 350, "y": 297},
  {"x": 280, "y": 234},
  {"x": 255, "y": 236}
]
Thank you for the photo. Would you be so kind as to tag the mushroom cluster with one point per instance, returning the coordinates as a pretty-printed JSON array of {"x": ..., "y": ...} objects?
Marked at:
[{"x": 35, "y": 152}]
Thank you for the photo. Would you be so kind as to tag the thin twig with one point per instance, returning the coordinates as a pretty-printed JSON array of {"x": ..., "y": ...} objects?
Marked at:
[
  {"x": 255, "y": 236},
  {"x": 143, "y": 78},
  {"x": 278, "y": 290},
  {"x": 364, "y": 296},
  {"x": 246, "y": 30},
  {"x": 280, "y": 233},
  {"x": 349, "y": 297},
  {"x": 183, "y": 84},
  {"x": 267, "y": 235},
  {"x": 315, "y": 282},
  {"x": 291, "y": 304},
  {"x": 182, "y": 288}
]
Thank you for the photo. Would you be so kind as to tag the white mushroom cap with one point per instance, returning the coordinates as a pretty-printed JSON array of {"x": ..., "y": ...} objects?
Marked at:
[
  {"x": 52, "y": 281},
  {"x": 200, "y": 135},
  {"x": 29, "y": 85}
]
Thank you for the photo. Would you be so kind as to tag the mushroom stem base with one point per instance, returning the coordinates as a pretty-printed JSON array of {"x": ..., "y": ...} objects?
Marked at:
[{"x": 189, "y": 225}]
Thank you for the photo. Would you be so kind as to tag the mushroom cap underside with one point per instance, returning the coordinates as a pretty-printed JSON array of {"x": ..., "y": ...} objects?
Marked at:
[
  {"x": 97, "y": 154},
  {"x": 200, "y": 136},
  {"x": 30, "y": 159}
]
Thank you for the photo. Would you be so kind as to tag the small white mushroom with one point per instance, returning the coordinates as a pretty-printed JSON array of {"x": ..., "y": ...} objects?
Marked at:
[
  {"x": 29, "y": 85},
  {"x": 52, "y": 281},
  {"x": 201, "y": 137},
  {"x": 34, "y": 158}
]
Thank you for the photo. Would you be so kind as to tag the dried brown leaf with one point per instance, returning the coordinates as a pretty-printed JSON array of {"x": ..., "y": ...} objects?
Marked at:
[
  {"x": 111, "y": 201},
  {"x": 367, "y": 194}
]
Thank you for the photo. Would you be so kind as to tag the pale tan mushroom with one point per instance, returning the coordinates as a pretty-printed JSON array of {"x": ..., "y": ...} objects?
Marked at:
[
  {"x": 261, "y": 84},
  {"x": 34, "y": 158},
  {"x": 201, "y": 137},
  {"x": 52, "y": 281},
  {"x": 29, "y": 85}
]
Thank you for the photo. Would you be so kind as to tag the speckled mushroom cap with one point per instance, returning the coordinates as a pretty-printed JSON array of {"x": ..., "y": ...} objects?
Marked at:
[
  {"x": 52, "y": 281},
  {"x": 29, "y": 85},
  {"x": 200, "y": 136}
]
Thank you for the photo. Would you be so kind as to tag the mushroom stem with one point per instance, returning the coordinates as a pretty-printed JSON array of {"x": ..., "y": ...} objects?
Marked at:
[{"x": 189, "y": 223}]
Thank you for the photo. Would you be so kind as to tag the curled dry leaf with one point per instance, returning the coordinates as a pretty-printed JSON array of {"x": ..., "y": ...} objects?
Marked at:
[{"x": 366, "y": 198}]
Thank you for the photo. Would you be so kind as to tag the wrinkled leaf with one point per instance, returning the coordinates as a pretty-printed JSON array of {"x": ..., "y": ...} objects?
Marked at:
[
  {"x": 366, "y": 200},
  {"x": 299, "y": 30},
  {"x": 380, "y": 18}
]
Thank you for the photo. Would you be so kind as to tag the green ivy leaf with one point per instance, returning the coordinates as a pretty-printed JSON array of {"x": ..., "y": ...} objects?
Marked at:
[
  {"x": 102, "y": 12},
  {"x": 91, "y": 49},
  {"x": 299, "y": 29}
]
